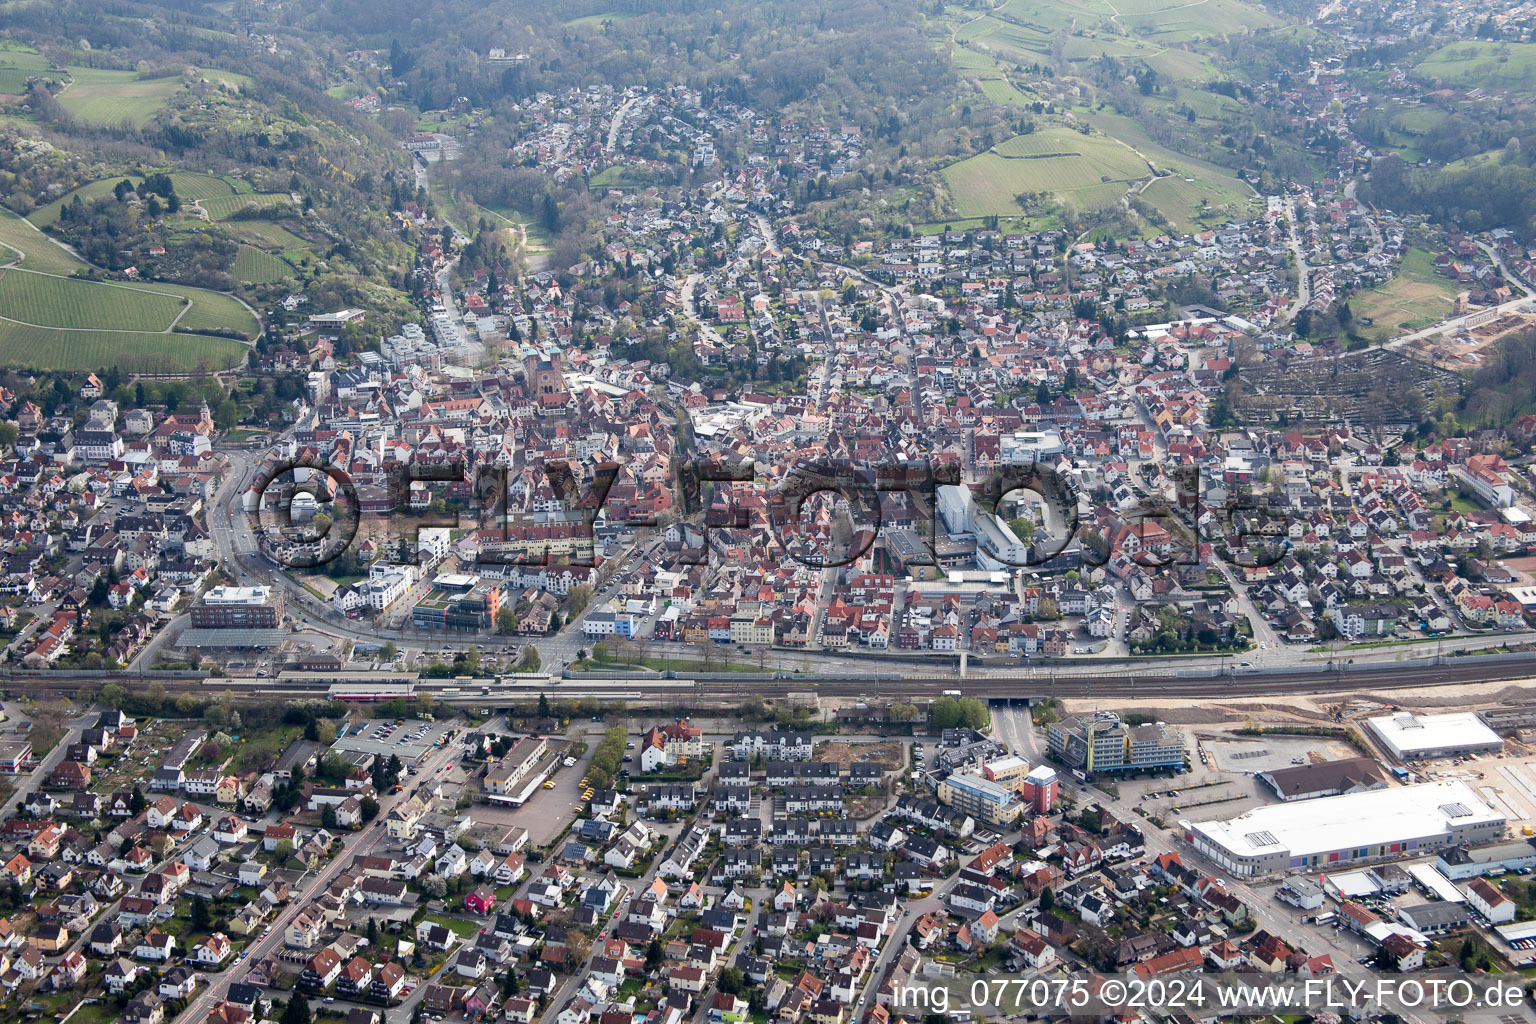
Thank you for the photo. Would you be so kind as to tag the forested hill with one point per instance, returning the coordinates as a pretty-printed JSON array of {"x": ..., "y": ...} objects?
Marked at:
[
  {"x": 862, "y": 62},
  {"x": 278, "y": 185}
]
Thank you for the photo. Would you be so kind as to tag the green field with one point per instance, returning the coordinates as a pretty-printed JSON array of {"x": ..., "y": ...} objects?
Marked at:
[
  {"x": 189, "y": 185},
  {"x": 1172, "y": 21},
  {"x": 50, "y": 320},
  {"x": 617, "y": 176},
  {"x": 106, "y": 97},
  {"x": 47, "y": 301},
  {"x": 214, "y": 311},
  {"x": 1415, "y": 298},
  {"x": 1023, "y": 30},
  {"x": 196, "y": 186},
  {"x": 43, "y": 349},
  {"x": 1419, "y": 119},
  {"x": 1133, "y": 134},
  {"x": 252, "y": 266},
  {"x": 1486, "y": 65},
  {"x": 227, "y": 206},
  {"x": 1095, "y": 171},
  {"x": 1180, "y": 200},
  {"x": 36, "y": 252},
  {"x": 1087, "y": 171},
  {"x": 264, "y": 234},
  {"x": 16, "y": 66},
  {"x": 112, "y": 97},
  {"x": 596, "y": 20}
]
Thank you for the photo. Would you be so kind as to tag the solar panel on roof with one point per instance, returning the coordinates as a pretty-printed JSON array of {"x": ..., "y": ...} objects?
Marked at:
[{"x": 1262, "y": 839}]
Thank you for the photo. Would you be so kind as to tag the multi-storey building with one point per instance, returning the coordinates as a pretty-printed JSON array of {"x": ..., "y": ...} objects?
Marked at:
[{"x": 1103, "y": 743}]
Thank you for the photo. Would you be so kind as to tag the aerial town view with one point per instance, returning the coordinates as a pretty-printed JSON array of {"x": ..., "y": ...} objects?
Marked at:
[{"x": 767, "y": 511}]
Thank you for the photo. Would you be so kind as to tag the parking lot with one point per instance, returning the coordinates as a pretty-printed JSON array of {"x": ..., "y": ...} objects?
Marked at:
[{"x": 409, "y": 741}]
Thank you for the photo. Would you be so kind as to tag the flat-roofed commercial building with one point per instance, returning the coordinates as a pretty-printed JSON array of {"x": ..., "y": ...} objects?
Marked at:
[
  {"x": 1410, "y": 737},
  {"x": 1337, "y": 830},
  {"x": 459, "y": 603},
  {"x": 239, "y": 608},
  {"x": 1008, "y": 771},
  {"x": 1102, "y": 742}
]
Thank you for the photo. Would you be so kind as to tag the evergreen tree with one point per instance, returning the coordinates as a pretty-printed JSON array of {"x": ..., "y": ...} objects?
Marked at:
[
  {"x": 201, "y": 918},
  {"x": 297, "y": 1010}
]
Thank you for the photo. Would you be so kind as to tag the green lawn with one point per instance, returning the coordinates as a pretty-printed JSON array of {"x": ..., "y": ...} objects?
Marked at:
[{"x": 463, "y": 929}]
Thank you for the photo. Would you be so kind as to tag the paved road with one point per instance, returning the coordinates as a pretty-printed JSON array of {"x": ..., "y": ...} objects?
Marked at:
[
  {"x": 1016, "y": 729},
  {"x": 357, "y": 843},
  {"x": 1446, "y": 326},
  {"x": 1303, "y": 272},
  {"x": 34, "y": 780}
]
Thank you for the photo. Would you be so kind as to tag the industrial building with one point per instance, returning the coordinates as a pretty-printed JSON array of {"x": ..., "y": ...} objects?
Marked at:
[
  {"x": 1327, "y": 778},
  {"x": 1458, "y": 863},
  {"x": 981, "y": 798},
  {"x": 239, "y": 608},
  {"x": 1329, "y": 832},
  {"x": 1101, "y": 742},
  {"x": 1410, "y": 737}
]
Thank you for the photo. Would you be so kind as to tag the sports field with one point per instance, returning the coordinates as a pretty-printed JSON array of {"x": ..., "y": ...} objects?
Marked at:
[{"x": 1087, "y": 171}]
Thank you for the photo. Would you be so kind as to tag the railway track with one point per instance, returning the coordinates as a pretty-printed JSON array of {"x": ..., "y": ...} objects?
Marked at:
[{"x": 1001, "y": 687}]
